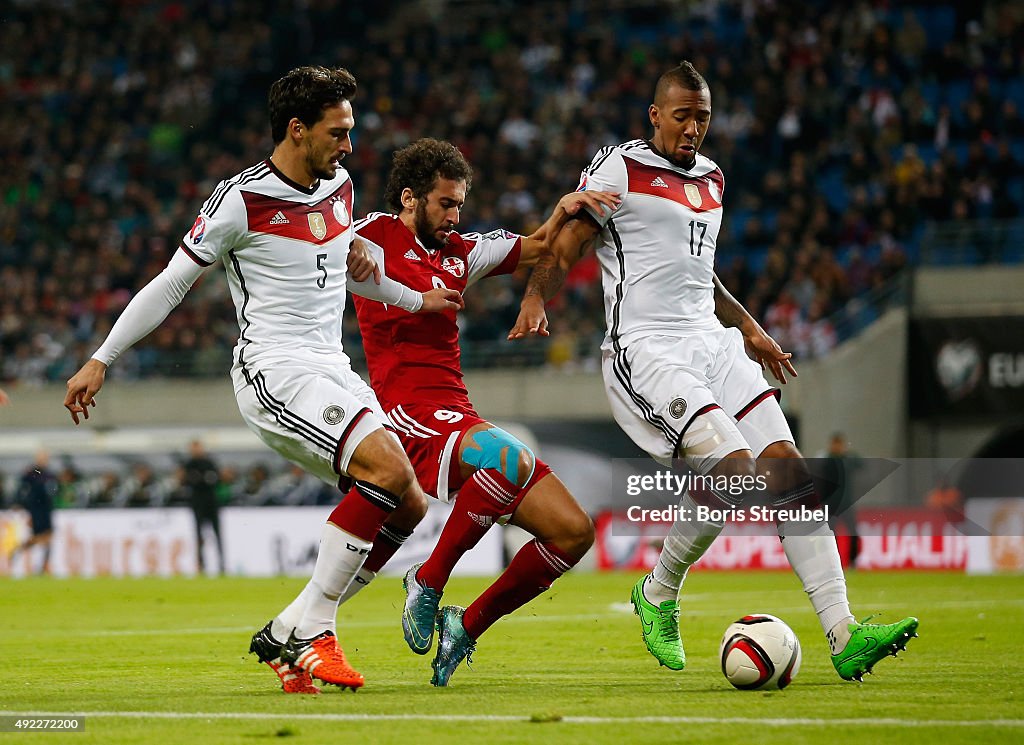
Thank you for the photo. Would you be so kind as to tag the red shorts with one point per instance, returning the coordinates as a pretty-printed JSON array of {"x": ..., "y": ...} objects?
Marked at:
[{"x": 432, "y": 437}]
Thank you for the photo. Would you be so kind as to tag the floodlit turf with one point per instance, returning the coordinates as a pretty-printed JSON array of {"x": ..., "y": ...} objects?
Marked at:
[{"x": 164, "y": 661}]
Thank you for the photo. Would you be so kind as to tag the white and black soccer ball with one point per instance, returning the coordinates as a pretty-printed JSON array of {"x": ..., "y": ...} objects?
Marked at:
[{"x": 760, "y": 651}]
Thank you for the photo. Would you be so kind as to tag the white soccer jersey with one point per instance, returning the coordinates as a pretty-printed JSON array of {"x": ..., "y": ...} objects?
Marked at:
[
  {"x": 284, "y": 247},
  {"x": 657, "y": 250}
]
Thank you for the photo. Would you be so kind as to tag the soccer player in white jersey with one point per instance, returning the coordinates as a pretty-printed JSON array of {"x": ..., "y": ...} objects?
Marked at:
[
  {"x": 283, "y": 231},
  {"x": 679, "y": 382}
]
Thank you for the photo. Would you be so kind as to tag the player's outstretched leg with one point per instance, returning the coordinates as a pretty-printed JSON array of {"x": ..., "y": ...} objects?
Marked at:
[
  {"x": 871, "y": 642},
  {"x": 268, "y": 650},
  {"x": 453, "y": 645},
  {"x": 813, "y": 554},
  {"x": 420, "y": 614},
  {"x": 659, "y": 627}
]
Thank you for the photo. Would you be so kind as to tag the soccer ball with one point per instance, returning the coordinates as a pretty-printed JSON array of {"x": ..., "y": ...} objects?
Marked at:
[{"x": 760, "y": 651}]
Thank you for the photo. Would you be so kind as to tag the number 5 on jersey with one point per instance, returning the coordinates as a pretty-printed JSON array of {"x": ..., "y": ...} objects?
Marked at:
[{"x": 321, "y": 281}]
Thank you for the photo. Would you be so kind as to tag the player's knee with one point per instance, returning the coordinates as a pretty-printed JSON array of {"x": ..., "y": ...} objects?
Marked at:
[
  {"x": 525, "y": 462},
  {"x": 496, "y": 449},
  {"x": 709, "y": 440},
  {"x": 573, "y": 532},
  {"x": 781, "y": 449},
  {"x": 396, "y": 475},
  {"x": 413, "y": 507},
  {"x": 783, "y": 467},
  {"x": 736, "y": 466},
  {"x": 581, "y": 535}
]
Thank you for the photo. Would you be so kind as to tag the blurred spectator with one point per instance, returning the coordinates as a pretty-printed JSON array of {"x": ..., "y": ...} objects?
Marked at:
[
  {"x": 36, "y": 492},
  {"x": 839, "y": 466},
  {"x": 199, "y": 481}
]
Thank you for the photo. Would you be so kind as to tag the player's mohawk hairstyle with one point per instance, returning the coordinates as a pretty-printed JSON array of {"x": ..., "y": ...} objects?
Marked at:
[
  {"x": 685, "y": 76},
  {"x": 303, "y": 94},
  {"x": 418, "y": 167}
]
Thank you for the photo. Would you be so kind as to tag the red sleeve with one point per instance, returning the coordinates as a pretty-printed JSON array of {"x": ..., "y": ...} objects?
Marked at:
[{"x": 511, "y": 261}]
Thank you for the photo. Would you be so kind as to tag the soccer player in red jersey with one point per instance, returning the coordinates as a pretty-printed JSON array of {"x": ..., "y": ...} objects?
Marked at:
[{"x": 415, "y": 370}]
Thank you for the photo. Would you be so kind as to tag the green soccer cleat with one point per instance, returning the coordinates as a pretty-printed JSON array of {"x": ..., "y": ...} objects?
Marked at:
[
  {"x": 420, "y": 614},
  {"x": 869, "y": 643},
  {"x": 453, "y": 645},
  {"x": 660, "y": 628}
]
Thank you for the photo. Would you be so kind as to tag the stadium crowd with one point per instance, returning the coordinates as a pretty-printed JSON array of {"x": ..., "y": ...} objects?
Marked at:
[{"x": 841, "y": 131}]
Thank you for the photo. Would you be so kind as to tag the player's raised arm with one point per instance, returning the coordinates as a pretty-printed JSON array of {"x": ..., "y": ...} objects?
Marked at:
[
  {"x": 762, "y": 348},
  {"x": 145, "y": 312},
  {"x": 569, "y": 246},
  {"x": 568, "y": 207}
]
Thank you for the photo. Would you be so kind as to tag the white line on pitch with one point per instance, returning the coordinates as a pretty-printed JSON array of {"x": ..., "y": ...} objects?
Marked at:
[
  {"x": 617, "y": 611},
  {"x": 752, "y": 721}
]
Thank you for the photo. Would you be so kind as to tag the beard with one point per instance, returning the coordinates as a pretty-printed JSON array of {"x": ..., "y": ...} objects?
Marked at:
[
  {"x": 318, "y": 168},
  {"x": 425, "y": 231}
]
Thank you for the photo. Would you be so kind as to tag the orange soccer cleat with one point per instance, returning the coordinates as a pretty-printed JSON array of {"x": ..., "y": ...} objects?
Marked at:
[
  {"x": 322, "y": 658},
  {"x": 268, "y": 650}
]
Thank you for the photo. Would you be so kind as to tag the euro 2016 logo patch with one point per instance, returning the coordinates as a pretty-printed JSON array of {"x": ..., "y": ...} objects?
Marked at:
[
  {"x": 677, "y": 408},
  {"x": 333, "y": 414},
  {"x": 198, "y": 230}
]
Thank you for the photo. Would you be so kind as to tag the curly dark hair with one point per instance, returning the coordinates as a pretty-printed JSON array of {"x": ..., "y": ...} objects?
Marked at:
[
  {"x": 304, "y": 93},
  {"x": 418, "y": 167},
  {"x": 685, "y": 76}
]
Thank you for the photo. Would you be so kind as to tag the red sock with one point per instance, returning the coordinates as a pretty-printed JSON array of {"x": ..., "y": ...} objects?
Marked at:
[
  {"x": 363, "y": 510},
  {"x": 531, "y": 572},
  {"x": 486, "y": 496},
  {"x": 389, "y": 540}
]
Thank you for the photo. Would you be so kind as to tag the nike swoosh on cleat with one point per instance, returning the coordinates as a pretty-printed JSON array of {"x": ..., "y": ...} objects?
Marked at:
[
  {"x": 413, "y": 628},
  {"x": 870, "y": 644}
]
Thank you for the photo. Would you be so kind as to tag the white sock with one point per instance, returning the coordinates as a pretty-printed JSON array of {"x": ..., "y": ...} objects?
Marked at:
[
  {"x": 286, "y": 621},
  {"x": 839, "y": 635},
  {"x": 363, "y": 577},
  {"x": 341, "y": 555},
  {"x": 815, "y": 559},
  {"x": 685, "y": 543}
]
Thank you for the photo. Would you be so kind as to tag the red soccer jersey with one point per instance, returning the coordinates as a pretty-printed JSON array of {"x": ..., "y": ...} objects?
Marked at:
[{"x": 414, "y": 358}]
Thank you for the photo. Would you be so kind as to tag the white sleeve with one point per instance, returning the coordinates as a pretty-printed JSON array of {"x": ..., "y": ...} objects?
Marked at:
[
  {"x": 150, "y": 306},
  {"x": 489, "y": 254},
  {"x": 388, "y": 291},
  {"x": 607, "y": 172}
]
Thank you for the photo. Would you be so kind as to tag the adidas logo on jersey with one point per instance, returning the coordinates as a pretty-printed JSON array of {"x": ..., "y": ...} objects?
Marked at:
[
  {"x": 279, "y": 219},
  {"x": 659, "y": 181},
  {"x": 411, "y": 255}
]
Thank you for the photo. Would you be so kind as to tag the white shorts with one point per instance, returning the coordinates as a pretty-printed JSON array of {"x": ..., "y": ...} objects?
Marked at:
[
  {"x": 659, "y": 384},
  {"x": 313, "y": 416}
]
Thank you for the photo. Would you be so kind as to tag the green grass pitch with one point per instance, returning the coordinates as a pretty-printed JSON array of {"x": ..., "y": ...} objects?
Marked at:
[{"x": 164, "y": 661}]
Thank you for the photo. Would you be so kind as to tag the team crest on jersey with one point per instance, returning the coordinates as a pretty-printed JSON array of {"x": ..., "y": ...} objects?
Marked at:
[
  {"x": 678, "y": 406},
  {"x": 454, "y": 266},
  {"x": 713, "y": 190},
  {"x": 317, "y": 225},
  {"x": 198, "y": 230},
  {"x": 341, "y": 212},
  {"x": 333, "y": 414},
  {"x": 693, "y": 194},
  {"x": 583, "y": 183}
]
